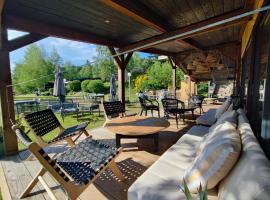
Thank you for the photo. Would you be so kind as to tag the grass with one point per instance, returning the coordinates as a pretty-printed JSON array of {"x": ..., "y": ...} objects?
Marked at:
[{"x": 71, "y": 120}]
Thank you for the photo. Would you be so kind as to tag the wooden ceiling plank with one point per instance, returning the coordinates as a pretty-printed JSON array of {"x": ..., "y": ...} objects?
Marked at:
[
  {"x": 148, "y": 17},
  {"x": 24, "y": 40},
  {"x": 21, "y": 24},
  {"x": 191, "y": 27}
]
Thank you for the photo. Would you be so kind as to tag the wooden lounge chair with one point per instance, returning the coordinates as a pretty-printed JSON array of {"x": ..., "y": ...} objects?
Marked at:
[
  {"x": 74, "y": 169},
  {"x": 113, "y": 109},
  {"x": 43, "y": 122}
]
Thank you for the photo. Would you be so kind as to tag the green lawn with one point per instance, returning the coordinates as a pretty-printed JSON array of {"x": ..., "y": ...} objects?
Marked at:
[{"x": 71, "y": 120}]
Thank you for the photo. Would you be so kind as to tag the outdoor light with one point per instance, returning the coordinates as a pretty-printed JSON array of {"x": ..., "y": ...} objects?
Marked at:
[{"x": 107, "y": 21}]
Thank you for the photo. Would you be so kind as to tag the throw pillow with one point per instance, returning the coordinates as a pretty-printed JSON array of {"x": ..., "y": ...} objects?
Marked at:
[{"x": 218, "y": 156}]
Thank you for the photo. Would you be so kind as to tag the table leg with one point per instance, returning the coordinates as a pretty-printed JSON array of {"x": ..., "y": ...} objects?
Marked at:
[
  {"x": 156, "y": 141},
  {"x": 118, "y": 141}
]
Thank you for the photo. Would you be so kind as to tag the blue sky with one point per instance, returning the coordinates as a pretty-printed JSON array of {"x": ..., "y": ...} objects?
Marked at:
[{"x": 75, "y": 52}]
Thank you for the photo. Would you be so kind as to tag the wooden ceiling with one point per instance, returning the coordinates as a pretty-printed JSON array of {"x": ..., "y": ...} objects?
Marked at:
[{"x": 128, "y": 23}]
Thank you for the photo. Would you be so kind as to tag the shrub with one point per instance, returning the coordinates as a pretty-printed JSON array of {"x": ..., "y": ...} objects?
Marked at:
[
  {"x": 96, "y": 86},
  {"x": 51, "y": 91},
  {"x": 84, "y": 85},
  {"x": 107, "y": 86},
  {"x": 74, "y": 86},
  {"x": 141, "y": 82}
]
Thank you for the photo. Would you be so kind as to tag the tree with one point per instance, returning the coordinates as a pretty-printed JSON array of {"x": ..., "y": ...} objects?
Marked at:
[
  {"x": 202, "y": 88},
  {"x": 71, "y": 72},
  {"x": 74, "y": 86},
  {"x": 55, "y": 58},
  {"x": 28, "y": 72},
  {"x": 86, "y": 71},
  {"x": 141, "y": 82}
]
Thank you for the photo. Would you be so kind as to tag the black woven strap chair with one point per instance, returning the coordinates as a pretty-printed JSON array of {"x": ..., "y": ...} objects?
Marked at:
[
  {"x": 113, "y": 109},
  {"x": 43, "y": 122},
  {"x": 197, "y": 100},
  {"x": 74, "y": 169},
  {"x": 147, "y": 104},
  {"x": 171, "y": 106}
]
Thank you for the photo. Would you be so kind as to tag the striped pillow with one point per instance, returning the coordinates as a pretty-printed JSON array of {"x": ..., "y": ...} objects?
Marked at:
[{"x": 218, "y": 156}]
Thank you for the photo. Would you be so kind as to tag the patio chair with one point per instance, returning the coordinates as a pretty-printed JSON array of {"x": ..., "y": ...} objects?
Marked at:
[
  {"x": 171, "y": 106},
  {"x": 113, "y": 109},
  {"x": 197, "y": 100},
  {"x": 147, "y": 104},
  {"x": 65, "y": 108},
  {"x": 75, "y": 169},
  {"x": 43, "y": 122}
]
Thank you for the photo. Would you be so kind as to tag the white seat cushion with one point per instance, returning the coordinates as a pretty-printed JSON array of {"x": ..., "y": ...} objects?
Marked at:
[
  {"x": 223, "y": 108},
  {"x": 208, "y": 118}
]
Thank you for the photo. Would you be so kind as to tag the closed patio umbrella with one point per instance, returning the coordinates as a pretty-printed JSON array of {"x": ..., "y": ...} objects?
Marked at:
[
  {"x": 112, "y": 87},
  {"x": 59, "y": 85}
]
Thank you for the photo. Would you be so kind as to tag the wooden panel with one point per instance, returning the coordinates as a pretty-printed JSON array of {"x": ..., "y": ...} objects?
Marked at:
[{"x": 90, "y": 16}]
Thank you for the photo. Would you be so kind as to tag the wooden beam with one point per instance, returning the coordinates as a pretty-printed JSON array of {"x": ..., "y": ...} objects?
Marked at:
[
  {"x": 173, "y": 75},
  {"x": 24, "y": 40},
  {"x": 122, "y": 62},
  {"x": 146, "y": 16},
  {"x": 158, "y": 52},
  {"x": 29, "y": 25},
  {"x": 6, "y": 96},
  {"x": 163, "y": 37},
  {"x": 250, "y": 25},
  {"x": 116, "y": 58}
]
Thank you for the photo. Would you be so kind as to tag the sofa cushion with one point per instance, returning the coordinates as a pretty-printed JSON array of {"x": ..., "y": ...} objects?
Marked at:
[
  {"x": 228, "y": 116},
  {"x": 223, "y": 108},
  {"x": 218, "y": 156},
  {"x": 208, "y": 118},
  {"x": 250, "y": 178}
]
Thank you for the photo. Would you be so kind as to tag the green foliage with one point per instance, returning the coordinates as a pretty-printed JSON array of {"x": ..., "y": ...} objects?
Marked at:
[
  {"x": 160, "y": 75},
  {"x": 107, "y": 86},
  {"x": 202, "y": 88},
  {"x": 202, "y": 194},
  {"x": 96, "y": 86},
  {"x": 84, "y": 85},
  {"x": 34, "y": 65},
  {"x": 71, "y": 72},
  {"x": 107, "y": 68},
  {"x": 74, "y": 86},
  {"x": 86, "y": 71},
  {"x": 141, "y": 82},
  {"x": 50, "y": 91}
]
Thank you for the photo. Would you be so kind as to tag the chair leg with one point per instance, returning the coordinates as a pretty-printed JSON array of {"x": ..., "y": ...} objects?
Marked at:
[
  {"x": 116, "y": 170},
  {"x": 70, "y": 142},
  {"x": 47, "y": 188},
  {"x": 33, "y": 183},
  {"x": 141, "y": 112},
  {"x": 176, "y": 118},
  {"x": 86, "y": 133},
  {"x": 145, "y": 112}
]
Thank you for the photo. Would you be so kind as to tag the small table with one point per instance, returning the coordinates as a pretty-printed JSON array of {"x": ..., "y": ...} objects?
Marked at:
[
  {"x": 186, "y": 109},
  {"x": 137, "y": 127}
]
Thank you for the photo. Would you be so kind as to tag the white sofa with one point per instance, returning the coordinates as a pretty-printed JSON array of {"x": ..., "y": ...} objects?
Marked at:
[
  {"x": 211, "y": 116},
  {"x": 248, "y": 180}
]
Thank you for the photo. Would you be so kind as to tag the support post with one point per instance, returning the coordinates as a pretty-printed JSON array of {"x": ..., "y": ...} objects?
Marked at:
[
  {"x": 121, "y": 62},
  {"x": 173, "y": 75},
  {"x": 6, "y": 96}
]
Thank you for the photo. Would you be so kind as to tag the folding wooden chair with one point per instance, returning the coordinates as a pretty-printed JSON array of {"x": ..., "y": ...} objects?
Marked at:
[
  {"x": 113, "y": 109},
  {"x": 43, "y": 122},
  {"x": 74, "y": 169}
]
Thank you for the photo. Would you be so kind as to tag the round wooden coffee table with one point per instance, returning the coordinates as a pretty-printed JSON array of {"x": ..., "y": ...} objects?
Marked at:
[{"x": 137, "y": 127}]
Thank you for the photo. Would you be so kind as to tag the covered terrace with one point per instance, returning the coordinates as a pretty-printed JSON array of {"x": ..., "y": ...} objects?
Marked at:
[{"x": 208, "y": 40}]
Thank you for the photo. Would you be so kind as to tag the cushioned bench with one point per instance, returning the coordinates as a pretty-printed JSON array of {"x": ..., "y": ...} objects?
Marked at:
[{"x": 249, "y": 179}]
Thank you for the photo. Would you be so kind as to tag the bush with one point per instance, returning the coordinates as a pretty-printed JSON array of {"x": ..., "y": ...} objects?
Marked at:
[
  {"x": 84, "y": 85},
  {"x": 51, "y": 91},
  {"x": 74, "y": 86},
  {"x": 46, "y": 93},
  {"x": 96, "y": 86},
  {"x": 107, "y": 86}
]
